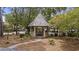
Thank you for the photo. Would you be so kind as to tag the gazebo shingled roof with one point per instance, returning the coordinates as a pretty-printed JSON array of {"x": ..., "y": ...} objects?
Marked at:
[{"x": 39, "y": 21}]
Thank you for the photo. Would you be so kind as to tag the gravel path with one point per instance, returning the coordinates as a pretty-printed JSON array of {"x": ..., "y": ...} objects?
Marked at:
[{"x": 7, "y": 49}]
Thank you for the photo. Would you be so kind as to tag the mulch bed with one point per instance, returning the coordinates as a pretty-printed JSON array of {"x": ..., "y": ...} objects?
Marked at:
[
  {"x": 12, "y": 40},
  {"x": 36, "y": 46},
  {"x": 67, "y": 43},
  {"x": 70, "y": 44}
]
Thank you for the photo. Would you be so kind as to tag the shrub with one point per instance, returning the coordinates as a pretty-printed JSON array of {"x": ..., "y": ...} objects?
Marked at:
[
  {"x": 72, "y": 34},
  {"x": 22, "y": 35},
  {"x": 78, "y": 34},
  {"x": 7, "y": 42},
  {"x": 51, "y": 42}
]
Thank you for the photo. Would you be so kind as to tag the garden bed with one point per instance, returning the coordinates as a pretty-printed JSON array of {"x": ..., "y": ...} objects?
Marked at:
[
  {"x": 12, "y": 40},
  {"x": 63, "y": 44},
  {"x": 59, "y": 43}
]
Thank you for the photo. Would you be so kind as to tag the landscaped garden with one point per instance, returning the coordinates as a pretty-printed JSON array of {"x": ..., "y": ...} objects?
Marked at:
[
  {"x": 12, "y": 40},
  {"x": 40, "y": 29},
  {"x": 45, "y": 44},
  {"x": 61, "y": 44}
]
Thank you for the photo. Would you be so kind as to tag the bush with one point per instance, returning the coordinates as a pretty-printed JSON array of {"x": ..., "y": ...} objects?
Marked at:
[
  {"x": 77, "y": 34},
  {"x": 72, "y": 34},
  {"x": 7, "y": 42},
  {"x": 51, "y": 42},
  {"x": 25, "y": 36},
  {"x": 22, "y": 35}
]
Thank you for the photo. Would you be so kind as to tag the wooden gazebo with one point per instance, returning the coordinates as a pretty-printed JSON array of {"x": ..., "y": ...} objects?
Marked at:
[{"x": 39, "y": 26}]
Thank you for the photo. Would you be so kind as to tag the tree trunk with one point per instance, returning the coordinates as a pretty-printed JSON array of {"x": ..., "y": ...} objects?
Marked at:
[
  {"x": 16, "y": 29},
  {"x": 1, "y": 24},
  {"x": 16, "y": 24}
]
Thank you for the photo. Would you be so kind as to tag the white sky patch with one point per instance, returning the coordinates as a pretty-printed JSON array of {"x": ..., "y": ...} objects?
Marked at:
[{"x": 3, "y": 18}]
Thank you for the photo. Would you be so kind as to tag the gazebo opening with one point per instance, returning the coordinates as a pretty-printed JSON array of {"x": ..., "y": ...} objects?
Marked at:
[
  {"x": 39, "y": 31},
  {"x": 39, "y": 26}
]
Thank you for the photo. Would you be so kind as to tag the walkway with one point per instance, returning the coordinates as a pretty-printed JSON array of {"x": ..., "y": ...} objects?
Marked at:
[
  {"x": 47, "y": 46},
  {"x": 13, "y": 46}
]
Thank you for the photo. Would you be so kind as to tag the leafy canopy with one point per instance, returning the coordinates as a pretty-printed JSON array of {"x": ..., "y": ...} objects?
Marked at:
[{"x": 66, "y": 21}]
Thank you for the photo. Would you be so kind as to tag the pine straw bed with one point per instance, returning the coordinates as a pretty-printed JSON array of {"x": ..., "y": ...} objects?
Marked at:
[
  {"x": 12, "y": 40},
  {"x": 63, "y": 44}
]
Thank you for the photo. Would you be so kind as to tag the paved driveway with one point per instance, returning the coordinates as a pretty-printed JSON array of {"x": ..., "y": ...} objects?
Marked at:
[{"x": 7, "y": 49}]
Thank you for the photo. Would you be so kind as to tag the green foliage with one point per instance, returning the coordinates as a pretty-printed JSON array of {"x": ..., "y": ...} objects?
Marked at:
[
  {"x": 21, "y": 35},
  {"x": 10, "y": 19},
  {"x": 49, "y": 12},
  {"x": 20, "y": 17},
  {"x": 51, "y": 42},
  {"x": 67, "y": 21}
]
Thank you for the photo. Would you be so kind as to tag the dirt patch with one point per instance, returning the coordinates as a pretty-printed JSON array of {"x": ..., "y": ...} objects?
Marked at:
[
  {"x": 63, "y": 44},
  {"x": 70, "y": 45},
  {"x": 37, "y": 46},
  {"x": 43, "y": 45},
  {"x": 12, "y": 40},
  {"x": 60, "y": 44}
]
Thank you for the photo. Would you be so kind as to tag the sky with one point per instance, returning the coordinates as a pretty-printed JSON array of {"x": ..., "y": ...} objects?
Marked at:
[{"x": 8, "y": 10}]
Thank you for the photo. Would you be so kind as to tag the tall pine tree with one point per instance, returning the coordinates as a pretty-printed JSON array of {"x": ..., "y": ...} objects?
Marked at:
[{"x": 1, "y": 23}]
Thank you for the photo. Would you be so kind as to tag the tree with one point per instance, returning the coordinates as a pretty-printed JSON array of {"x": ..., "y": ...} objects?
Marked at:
[
  {"x": 49, "y": 12},
  {"x": 22, "y": 16},
  {"x": 1, "y": 23},
  {"x": 67, "y": 21}
]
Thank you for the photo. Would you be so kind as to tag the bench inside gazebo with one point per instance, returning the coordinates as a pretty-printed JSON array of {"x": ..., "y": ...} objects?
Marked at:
[{"x": 39, "y": 26}]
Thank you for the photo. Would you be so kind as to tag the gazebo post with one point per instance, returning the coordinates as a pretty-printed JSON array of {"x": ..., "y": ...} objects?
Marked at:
[
  {"x": 34, "y": 31},
  {"x": 30, "y": 31},
  {"x": 47, "y": 31},
  {"x": 44, "y": 33}
]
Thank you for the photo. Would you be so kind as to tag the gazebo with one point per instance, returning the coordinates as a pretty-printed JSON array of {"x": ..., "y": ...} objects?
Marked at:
[{"x": 39, "y": 26}]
